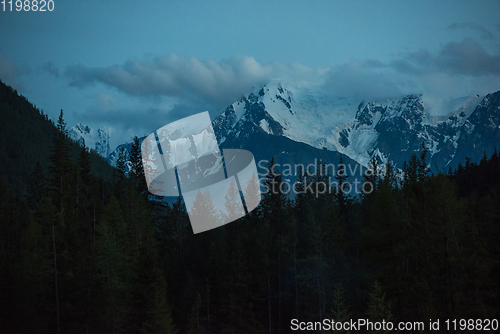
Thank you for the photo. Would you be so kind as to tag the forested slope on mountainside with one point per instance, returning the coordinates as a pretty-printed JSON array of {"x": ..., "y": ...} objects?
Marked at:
[
  {"x": 84, "y": 253},
  {"x": 26, "y": 135}
]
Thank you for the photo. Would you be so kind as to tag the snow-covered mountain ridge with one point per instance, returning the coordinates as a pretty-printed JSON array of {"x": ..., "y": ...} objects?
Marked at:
[
  {"x": 297, "y": 125},
  {"x": 97, "y": 140},
  {"x": 391, "y": 130}
]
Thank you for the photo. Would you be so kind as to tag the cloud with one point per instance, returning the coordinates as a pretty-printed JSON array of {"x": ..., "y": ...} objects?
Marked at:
[
  {"x": 9, "y": 73},
  {"x": 148, "y": 93},
  {"x": 51, "y": 69},
  {"x": 456, "y": 69},
  {"x": 143, "y": 120},
  {"x": 467, "y": 58},
  {"x": 363, "y": 80},
  {"x": 485, "y": 33},
  {"x": 210, "y": 80},
  {"x": 218, "y": 83},
  {"x": 142, "y": 115}
]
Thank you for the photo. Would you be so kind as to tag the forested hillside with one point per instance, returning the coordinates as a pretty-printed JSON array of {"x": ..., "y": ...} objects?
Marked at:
[
  {"x": 80, "y": 253},
  {"x": 26, "y": 135}
]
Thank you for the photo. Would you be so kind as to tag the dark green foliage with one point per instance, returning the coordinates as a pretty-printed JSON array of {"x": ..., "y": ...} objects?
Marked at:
[
  {"x": 36, "y": 187},
  {"x": 84, "y": 253},
  {"x": 26, "y": 137},
  {"x": 340, "y": 309},
  {"x": 74, "y": 258},
  {"x": 379, "y": 309},
  {"x": 120, "y": 164},
  {"x": 136, "y": 168}
]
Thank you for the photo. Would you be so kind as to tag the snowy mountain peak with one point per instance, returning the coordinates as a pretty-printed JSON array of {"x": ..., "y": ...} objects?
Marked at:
[
  {"x": 97, "y": 140},
  {"x": 390, "y": 130},
  {"x": 297, "y": 123}
]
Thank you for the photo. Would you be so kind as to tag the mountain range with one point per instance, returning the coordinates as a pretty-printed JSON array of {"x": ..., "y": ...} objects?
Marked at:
[
  {"x": 298, "y": 125},
  {"x": 390, "y": 130}
]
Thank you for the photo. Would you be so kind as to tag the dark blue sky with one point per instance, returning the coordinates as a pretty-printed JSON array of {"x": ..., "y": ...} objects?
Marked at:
[{"x": 134, "y": 66}]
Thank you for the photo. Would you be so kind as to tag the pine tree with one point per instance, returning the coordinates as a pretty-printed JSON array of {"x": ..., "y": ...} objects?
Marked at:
[
  {"x": 9, "y": 227},
  {"x": 84, "y": 185},
  {"x": 233, "y": 205},
  {"x": 423, "y": 170},
  {"x": 60, "y": 166},
  {"x": 379, "y": 309},
  {"x": 274, "y": 210},
  {"x": 252, "y": 194},
  {"x": 61, "y": 124},
  {"x": 203, "y": 210},
  {"x": 340, "y": 310},
  {"x": 241, "y": 314},
  {"x": 36, "y": 276},
  {"x": 150, "y": 311},
  {"x": 136, "y": 167},
  {"x": 61, "y": 191},
  {"x": 114, "y": 267},
  {"x": 121, "y": 163},
  {"x": 84, "y": 166},
  {"x": 384, "y": 238}
]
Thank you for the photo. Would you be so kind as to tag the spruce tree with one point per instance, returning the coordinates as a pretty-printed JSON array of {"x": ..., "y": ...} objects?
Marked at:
[
  {"x": 379, "y": 309},
  {"x": 340, "y": 310},
  {"x": 274, "y": 206},
  {"x": 60, "y": 166},
  {"x": 36, "y": 276},
  {"x": 233, "y": 204},
  {"x": 114, "y": 267},
  {"x": 252, "y": 194},
  {"x": 136, "y": 167},
  {"x": 203, "y": 208},
  {"x": 121, "y": 162}
]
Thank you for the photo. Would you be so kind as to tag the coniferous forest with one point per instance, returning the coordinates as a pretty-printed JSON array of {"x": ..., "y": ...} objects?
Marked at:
[{"x": 85, "y": 249}]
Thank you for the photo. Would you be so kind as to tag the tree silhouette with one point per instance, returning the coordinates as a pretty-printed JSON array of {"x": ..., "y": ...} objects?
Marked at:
[
  {"x": 379, "y": 309},
  {"x": 233, "y": 204},
  {"x": 202, "y": 213},
  {"x": 340, "y": 310},
  {"x": 252, "y": 193}
]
